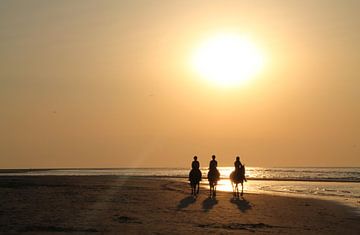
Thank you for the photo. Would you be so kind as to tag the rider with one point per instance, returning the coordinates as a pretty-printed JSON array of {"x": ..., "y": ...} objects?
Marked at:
[
  {"x": 195, "y": 169},
  {"x": 213, "y": 163},
  {"x": 195, "y": 164},
  {"x": 195, "y": 176},
  {"x": 237, "y": 163},
  {"x": 213, "y": 167},
  {"x": 238, "y": 166}
]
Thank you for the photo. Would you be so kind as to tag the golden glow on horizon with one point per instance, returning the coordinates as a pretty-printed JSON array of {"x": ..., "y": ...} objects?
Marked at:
[{"x": 227, "y": 60}]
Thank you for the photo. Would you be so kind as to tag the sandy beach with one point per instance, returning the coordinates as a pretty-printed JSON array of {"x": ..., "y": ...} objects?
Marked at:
[{"x": 135, "y": 205}]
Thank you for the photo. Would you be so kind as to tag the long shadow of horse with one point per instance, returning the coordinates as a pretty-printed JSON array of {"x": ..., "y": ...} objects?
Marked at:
[
  {"x": 242, "y": 204},
  {"x": 185, "y": 202},
  {"x": 209, "y": 203}
]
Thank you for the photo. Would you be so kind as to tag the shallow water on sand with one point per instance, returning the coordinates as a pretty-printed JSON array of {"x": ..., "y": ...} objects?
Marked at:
[{"x": 344, "y": 192}]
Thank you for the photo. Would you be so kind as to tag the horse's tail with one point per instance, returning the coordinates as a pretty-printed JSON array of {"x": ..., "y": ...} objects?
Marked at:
[
  {"x": 242, "y": 171},
  {"x": 232, "y": 176}
]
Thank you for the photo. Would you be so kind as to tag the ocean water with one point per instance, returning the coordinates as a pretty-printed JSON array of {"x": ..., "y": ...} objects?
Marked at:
[{"x": 339, "y": 184}]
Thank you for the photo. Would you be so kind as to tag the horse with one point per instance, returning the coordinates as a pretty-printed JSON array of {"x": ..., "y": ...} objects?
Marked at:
[
  {"x": 213, "y": 178},
  {"x": 195, "y": 178},
  {"x": 236, "y": 177}
]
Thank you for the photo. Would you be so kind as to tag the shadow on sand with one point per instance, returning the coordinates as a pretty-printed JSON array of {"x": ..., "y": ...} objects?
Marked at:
[
  {"x": 242, "y": 204},
  {"x": 185, "y": 202},
  {"x": 209, "y": 203}
]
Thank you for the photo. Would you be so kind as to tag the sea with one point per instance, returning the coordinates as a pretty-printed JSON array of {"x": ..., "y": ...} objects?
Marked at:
[{"x": 337, "y": 184}]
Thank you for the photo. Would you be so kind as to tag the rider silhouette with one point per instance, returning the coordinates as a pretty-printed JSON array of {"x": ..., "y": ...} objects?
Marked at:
[
  {"x": 213, "y": 163},
  {"x": 195, "y": 164},
  {"x": 195, "y": 176},
  {"x": 239, "y": 168},
  {"x": 237, "y": 163}
]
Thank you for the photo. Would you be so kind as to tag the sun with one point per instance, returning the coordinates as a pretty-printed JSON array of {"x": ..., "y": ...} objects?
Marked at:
[{"x": 227, "y": 59}]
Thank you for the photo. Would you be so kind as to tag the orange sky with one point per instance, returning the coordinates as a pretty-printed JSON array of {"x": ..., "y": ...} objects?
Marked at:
[{"x": 108, "y": 84}]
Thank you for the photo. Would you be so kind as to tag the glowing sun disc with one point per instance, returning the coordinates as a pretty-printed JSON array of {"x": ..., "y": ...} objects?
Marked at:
[{"x": 227, "y": 60}]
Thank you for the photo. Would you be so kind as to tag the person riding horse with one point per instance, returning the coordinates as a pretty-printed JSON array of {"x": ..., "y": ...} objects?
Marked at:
[
  {"x": 237, "y": 163},
  {"x": 195, "y": 164},
  {"x": 213, "y": 163},
  {"x": 213, "y": 176},
  {"x": 238, "y": 176},
  {"x": 195, "y": 177},
  {"x": 239, "y": 169}
]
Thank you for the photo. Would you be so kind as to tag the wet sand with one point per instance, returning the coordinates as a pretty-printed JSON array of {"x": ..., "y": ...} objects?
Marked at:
[{"x": 112, "y": 204}]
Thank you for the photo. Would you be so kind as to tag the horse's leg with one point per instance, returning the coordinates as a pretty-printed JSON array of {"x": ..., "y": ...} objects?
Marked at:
[
  {"x": 198, "y": 188},
  {"x": 212, "y": 188},
  {"x": 237, "y": 190},
  {"x": 242, "y": 188},
  {"x": 233, "y": 188}
]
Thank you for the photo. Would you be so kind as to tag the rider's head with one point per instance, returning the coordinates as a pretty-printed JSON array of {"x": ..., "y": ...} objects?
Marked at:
[
  {"x": 213, "y": 157},
  {"x": 195, "y": 158},
  {"x": 237, "y": 158}
]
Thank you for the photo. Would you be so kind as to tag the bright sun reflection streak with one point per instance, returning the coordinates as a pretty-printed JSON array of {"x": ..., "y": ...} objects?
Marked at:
[{"x": 227, "y": 60}]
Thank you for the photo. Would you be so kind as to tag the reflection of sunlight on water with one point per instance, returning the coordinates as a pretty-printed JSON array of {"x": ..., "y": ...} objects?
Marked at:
[
  {"x": 225, "y": 185},
  {"x": 226, "y": 171}
]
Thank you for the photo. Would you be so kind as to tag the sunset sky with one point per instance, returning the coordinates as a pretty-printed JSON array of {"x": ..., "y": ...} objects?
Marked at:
[{"x": 111, "y": 84}]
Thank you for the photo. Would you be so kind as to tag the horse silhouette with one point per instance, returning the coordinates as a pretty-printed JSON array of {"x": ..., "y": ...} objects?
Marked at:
[
  {"x": 195, "y": 178},
  {"x": 213, "y": 178},
  {"x": 236, "y": 177}
]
